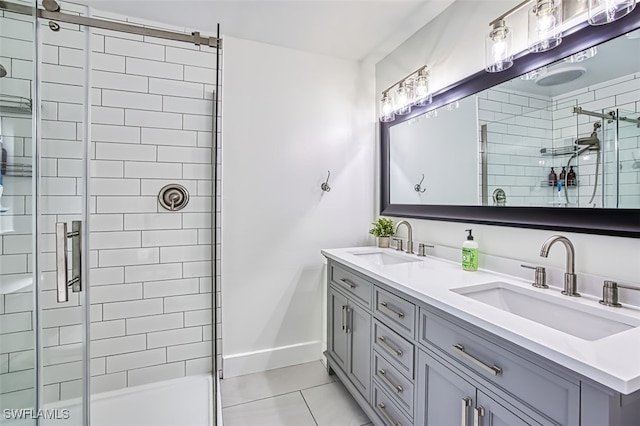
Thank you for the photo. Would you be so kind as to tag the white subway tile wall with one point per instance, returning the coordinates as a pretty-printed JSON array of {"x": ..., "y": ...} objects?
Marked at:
[
  {"x": 151, "y": 269},
  {"x": 520, "y": 125},
  {"x": 17, "y": 373}
]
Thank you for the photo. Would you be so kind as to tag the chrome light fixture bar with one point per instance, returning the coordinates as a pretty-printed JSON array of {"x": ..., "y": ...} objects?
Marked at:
[{"x": 400, "y": 97}]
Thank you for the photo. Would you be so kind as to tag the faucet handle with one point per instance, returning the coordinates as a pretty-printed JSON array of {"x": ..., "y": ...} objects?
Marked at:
[
  {"x": 610, "y": 293},
  {"x": 398, "y": 243},
  {"x": 422, "y": 249},
  {"x": 540, "y": 277}
]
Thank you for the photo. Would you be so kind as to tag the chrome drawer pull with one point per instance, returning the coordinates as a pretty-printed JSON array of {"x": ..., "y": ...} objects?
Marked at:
[
  {"x": 396, "y": 388},
  {"x": 345, "y": 282},
  {"x": 349, "y": 320},
  {"x": 383, "y": 410},
  {"x": 492, "y": 369},
  {"x": 466, "y": 403},
  {"x": 478, "y": 414},
  {"x": 382, "y": 340},
  {"x": 384, "y": 305}
]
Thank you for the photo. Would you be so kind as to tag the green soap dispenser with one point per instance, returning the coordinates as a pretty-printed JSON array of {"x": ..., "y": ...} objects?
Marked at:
[{"x": 469, "y": 253}]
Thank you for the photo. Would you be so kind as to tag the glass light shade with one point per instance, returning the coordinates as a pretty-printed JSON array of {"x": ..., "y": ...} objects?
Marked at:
[
  {"x": 498, "y": 53},
  {"x": 421, "y": 88},
  {"x": 545, "y": 21},
  {"x": 604, "y": 11},
  {"x": 386, "y": 108},
  {"x": 581, "y": 56},
  {"x": 534, "y": 75},
  {"x": 431, "y": 114},
  {"x": 403, "y": 98}
]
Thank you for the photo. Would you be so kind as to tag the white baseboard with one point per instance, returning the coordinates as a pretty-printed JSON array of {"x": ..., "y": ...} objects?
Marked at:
[{"x": 268, "y": 359}]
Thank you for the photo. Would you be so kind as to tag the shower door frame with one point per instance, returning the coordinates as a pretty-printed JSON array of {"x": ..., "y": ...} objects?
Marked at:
[{"x": 89, "y": 22}]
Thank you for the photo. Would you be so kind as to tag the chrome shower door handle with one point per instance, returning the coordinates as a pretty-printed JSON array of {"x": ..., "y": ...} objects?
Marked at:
[
  {"x": 62, "y": 281},
  {"x": 61, "y": 262},
  {"x": 76, "y": 255}
]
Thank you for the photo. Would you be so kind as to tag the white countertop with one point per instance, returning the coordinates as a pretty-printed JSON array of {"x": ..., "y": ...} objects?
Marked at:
[{"x": 613, "y": 361}]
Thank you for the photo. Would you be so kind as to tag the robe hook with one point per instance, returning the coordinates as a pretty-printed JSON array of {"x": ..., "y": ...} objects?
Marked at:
[
  {"x": 325, "y": 186},
  {"x": 418, "y": 187}
]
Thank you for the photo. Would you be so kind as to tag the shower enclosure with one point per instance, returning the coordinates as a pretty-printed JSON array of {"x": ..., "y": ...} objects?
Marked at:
[
  {"x": 593, "y": 153},
  {"x": 103, "y": 291}
]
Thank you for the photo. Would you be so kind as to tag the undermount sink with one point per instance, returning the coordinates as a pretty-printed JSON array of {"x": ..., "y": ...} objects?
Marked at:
[
  {"x": 582, "y": 321},
  {"x": 383, "y": 258}
]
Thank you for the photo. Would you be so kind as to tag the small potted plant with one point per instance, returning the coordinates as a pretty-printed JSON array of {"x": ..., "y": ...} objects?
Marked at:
[{"x": 383, "y": 229}]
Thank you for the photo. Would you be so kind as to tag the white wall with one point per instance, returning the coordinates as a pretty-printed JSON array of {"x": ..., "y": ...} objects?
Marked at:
[
  {"x": 288, "y": 118},
  {"x": 453, "y": 46}
]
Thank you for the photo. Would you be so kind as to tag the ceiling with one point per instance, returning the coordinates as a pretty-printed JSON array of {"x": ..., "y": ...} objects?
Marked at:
[
  {"x": 615, "y": 58},
  {"x": 352, "y": 29}
]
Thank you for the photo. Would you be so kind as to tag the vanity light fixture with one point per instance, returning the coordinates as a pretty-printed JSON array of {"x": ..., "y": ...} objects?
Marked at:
[
  {"x": 499, "y": 56},
  {"x": 386, "y": 108},
  {"x": 404, "y": 97},
  {"x": 535, "y": 74},
  {"x": 605, "y": 11},
  {"x": 545, "y": 20},
  {"x": 581, "y": 56},
  {"x": 422, "y": 94},
  {"x": 399, "y": 98}
]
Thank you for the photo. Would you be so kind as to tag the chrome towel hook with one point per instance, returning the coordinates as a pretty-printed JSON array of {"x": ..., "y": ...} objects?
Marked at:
[
  {"x": 325, "y": 186},
  {"x": 418, "y": 187}
]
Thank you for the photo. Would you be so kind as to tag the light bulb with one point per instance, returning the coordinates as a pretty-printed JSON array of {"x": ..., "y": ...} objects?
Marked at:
[
  {"x": 545, "y": 20},
  {"x": 498, "y": 56},
  {"x": 422, "y": 88},
  {"x": 498, "y": 50},
  {"x": 386, "y": 108},
  {"x": 402, "y": 96},
  {"x": 545, "y": 24}
]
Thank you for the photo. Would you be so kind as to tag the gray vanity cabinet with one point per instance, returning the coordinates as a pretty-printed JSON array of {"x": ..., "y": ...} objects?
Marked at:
[
  {"x": 408, "y": 363},
  {"x": 448, "y": 399},
  {"x": 349, "y": 337}
]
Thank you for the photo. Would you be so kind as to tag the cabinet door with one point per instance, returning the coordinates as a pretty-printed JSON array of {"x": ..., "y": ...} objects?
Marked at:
[
  {"x": 337, "y": 338},
  {"x": 359, "y": 332},
  {"x": 494, "y": 414},
  {"x": 443, "y": 397}
]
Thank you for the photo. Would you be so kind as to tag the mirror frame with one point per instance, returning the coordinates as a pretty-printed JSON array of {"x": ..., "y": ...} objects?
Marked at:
[{"x": 602, "y": 221}]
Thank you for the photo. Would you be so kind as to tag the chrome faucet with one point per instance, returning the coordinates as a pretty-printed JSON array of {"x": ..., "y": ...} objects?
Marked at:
[
  {"x": 570, "y": 280},
  {"x": 409, "y": 237}
]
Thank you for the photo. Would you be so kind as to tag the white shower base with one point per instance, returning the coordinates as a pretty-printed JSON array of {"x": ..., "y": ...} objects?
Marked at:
[{"x": 187, "y": 401}]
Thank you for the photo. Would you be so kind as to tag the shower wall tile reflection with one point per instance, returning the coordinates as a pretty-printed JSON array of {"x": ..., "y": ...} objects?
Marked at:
[
  {"x": 151, "y": 270},
  {"x": 519, "y": 125},
  {"x": 17, "y": 374}
]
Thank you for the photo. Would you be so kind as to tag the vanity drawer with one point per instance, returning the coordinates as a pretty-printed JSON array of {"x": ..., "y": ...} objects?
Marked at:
[
  {"x": 395, "y": 311},
  {"x": 351, "y": 283},
  {"x": 394, "y": 348},
  {"x": 397, "y": 386},
  {"x": 537, "y": 387},
  {"x": 387, "y": 410}
]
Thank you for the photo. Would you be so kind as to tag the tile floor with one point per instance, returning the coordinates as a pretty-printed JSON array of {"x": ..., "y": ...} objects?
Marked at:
[{"x": 301, "y": 395}]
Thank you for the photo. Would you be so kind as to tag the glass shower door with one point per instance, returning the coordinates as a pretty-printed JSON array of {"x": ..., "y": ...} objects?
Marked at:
[
  {"x": 628, "y": 161},
  {"x": 18, "y": 386},
  {"x": 62, "y": 218}
]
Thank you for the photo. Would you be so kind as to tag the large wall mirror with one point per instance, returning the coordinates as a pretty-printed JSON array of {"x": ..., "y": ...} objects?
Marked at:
[{"x": 551, "y": 143}]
